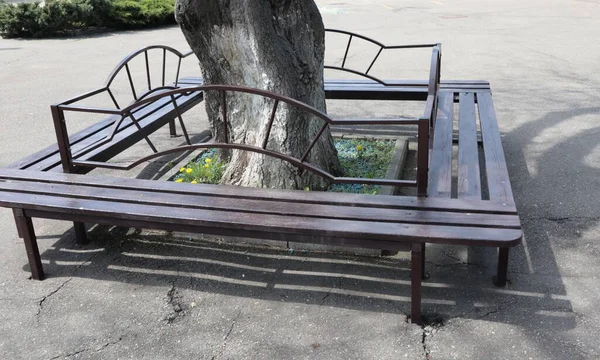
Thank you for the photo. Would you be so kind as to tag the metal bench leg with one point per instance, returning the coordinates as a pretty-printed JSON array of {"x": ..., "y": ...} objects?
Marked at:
[
  {"x": 80, "y": 233},
  {"x": 415, "y": 283},
  {"x": 16, "y": 215},
  {"x": 25, "y": 226},
  {"x": 500, "y": 279},
  {"x": 172, "y": 129},
  {"x": 423, "y": 276}
]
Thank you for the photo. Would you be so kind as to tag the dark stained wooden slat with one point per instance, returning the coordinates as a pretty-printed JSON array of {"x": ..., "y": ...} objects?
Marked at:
[
  {"x": 364, "y": 230},
  {"x": 264, "y": 206},
  {"x": 440, "y": 166},
  {"x": 340, "y": 92},
  {"x": 377, "y": 86},
  {"x": 495, "y": 163},
  {"x": 85, "y": 136},
  {"x": 199, "y": 81},
  {"x": 358, "y": 200},
  {"x": 150, "y": 124},
  {"x": 151, "y": 118},
  {"x": 368, "y": 90},
  {"x": 469, "y": 184},
  {"x": 52, "y": 150}
]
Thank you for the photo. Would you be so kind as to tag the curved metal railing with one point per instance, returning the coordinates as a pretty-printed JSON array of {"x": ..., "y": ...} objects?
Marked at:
[
  {"x": 300, "y": 162},
  {"x": 352, "y": 35},
  {"x": 168, "y": 93},
  {"x": 124, "y": 64}
]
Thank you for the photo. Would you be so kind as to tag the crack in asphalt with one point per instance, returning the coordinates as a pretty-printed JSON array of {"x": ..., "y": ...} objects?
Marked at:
[
  {"x": 104, "y": 346},
  {"x": 338, "y": 285},
  {"x": 226, "y": 337},
  {"x": 46, "y": 297},
  {"x": 174, "y": 299},
  {"x": 429, "y": 330}
]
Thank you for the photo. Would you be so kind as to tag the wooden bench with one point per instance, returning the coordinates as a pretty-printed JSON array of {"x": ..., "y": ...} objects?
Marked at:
[{"x": 466, "y": 215}]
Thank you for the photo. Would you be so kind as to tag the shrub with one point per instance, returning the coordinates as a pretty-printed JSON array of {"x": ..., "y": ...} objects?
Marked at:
[
  {"x": 131, "y": 14},
  {"x": 21, "y": 20},
  {"x": 55, "y": 17},
  {"x": 64, "y": 16}
]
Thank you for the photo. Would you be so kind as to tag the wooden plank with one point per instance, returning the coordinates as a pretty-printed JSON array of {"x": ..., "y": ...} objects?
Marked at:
[
  {"x": 49, "y": 158},
  {"x": 52, "y": 150},
  {"x": 408, "y": 82},
  {"x": 193, "y": 80},
  {"x": 440, "y": 167},
  {"x": 469, "y": 184},
  {"x": 53, "y": 162},
  {"x": 414, "y": 93},
  {"x": 366, "y": 230},
  {"x": 131, "y": 135},
  {"x": 262, "y": 206},
  {"x": 358, "y": 200},
  {"x": 150, "y": 118},
  {"x": 359, "y": 89},
  {"x": 399, "y": 85},
  {"x": 495, "y": 163}
]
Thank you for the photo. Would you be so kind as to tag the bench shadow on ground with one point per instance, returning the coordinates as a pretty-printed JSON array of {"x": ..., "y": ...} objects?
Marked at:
[{"x": 454, "y": 290}]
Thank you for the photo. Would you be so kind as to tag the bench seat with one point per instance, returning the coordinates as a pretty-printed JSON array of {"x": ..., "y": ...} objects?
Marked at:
[
  {"x": 370, "y": 221},
  {"x": 359, "y": 89},
  {"x": 150, "y": 118}
]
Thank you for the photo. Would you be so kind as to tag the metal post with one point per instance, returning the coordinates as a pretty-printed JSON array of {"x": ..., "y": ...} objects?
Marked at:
[
  {"x": 422, "y": 157},
  {"x": 172, "y": 130},
  {"x": 33, "y": 253},
  {"x": 423, "y": 276},
  {"x": 501, "y": 275},
  {"x": 62, "y": 137},
  {"x": 415, "y": 283},
  {"x": 66, "y": 159}
]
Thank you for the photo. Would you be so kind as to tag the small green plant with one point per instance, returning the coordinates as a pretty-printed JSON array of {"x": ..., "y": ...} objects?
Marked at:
[
  {"x": 363, "y": 158},
  {"x": 359, "y": 158},
  {"x": 204, "y": 172}
]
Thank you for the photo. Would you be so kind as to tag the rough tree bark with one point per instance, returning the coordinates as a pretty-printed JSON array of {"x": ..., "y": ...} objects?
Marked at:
[{"x": 275, "y": 45}]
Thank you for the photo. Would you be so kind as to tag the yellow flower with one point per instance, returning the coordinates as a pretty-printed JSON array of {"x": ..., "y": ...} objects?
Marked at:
[
  {"x": 359, "y": 147},
  {"x": 189, "y": 170},
  {"x": 207, "y": 160},
  {"x": 194, "y": 182},
  {"x": 206, "y": 165},
  {"x": 181, "y": 169},
  {"x": 179, "y": 180}
]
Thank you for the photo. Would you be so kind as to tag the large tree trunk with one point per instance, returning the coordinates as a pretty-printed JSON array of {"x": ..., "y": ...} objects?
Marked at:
[{"x": 275, "y": 45}]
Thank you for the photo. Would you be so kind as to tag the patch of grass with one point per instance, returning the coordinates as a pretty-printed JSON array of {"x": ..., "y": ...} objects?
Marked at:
[
  {"x": 360, "y": 158},
  {"x": 363, "y": 158}
]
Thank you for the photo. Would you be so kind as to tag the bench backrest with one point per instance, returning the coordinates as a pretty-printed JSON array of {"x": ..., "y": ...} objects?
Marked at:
[
  {"x": 152, "y": 79},
  {"x": 300, "y": 161},
  {"x": 436, "y": 53}
]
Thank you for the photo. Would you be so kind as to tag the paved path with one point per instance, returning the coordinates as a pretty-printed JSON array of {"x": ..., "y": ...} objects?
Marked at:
[{"x": 137, "y": 295}]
